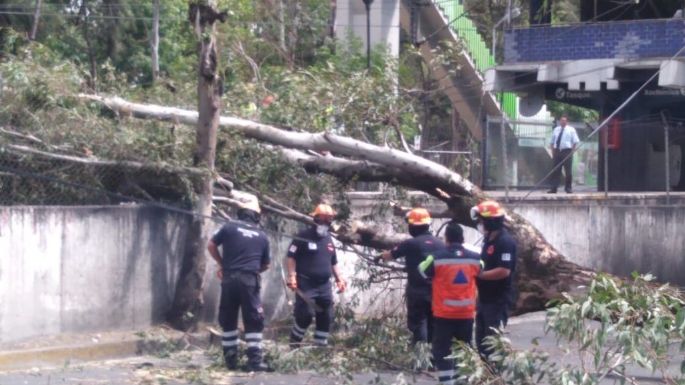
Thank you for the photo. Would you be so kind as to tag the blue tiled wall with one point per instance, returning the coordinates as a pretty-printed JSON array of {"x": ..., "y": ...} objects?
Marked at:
[{"x": 629, "y": 39}]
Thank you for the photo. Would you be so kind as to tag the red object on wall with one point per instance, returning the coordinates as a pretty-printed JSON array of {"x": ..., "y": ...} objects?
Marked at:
[{"x": 611, "y": 134}]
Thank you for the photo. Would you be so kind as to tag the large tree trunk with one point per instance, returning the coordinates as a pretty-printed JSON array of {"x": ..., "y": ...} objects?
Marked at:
[
  {"x": 543, "y": 273},
  {"x": 188, "y": 298}
]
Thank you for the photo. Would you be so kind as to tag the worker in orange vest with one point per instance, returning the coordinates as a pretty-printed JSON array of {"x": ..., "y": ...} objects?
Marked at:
[{"x": 453, "y": 271}]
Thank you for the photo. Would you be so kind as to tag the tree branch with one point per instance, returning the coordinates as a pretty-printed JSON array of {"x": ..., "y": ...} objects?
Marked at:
[
  {"x": 431, "y": 174},
  {"x": 547, "y": 273},
  {"x": 163, "y": 167}
]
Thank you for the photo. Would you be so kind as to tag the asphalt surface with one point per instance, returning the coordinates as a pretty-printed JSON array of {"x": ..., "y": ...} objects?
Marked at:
[
  {"x": 197, "y": 368},
  {"x": 185, "y": 369}
]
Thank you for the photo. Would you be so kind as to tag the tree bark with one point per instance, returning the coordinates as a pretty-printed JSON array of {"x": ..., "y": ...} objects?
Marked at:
[
  {"x": 130, "y": 165},
  {"x": 36, "y": 19},
  {"x": 83, "y": 11},
  {"x": 188, "y": 298},
  {"x": 154, "y": 40},
  {"x": 543, "y": 273}
]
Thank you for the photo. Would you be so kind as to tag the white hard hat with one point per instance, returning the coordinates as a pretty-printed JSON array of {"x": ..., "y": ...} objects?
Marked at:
[{"x": 249, "y": 202}]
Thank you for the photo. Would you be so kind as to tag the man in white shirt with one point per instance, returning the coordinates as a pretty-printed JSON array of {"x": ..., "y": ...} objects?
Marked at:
[{"x": 562, "y": 143}]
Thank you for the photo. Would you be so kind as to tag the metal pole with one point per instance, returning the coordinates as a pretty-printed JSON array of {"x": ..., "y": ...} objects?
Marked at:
[
  {"x": 505, "y": 161},
  {"x": 606, "y": 161},
  {"x": 667, "y": 162},
  {"x": 494, "y": 43},
  {"x": 508, "y": 13},
  {"x": 484, "y": 154},
  {"x": 367, "y": 3}
]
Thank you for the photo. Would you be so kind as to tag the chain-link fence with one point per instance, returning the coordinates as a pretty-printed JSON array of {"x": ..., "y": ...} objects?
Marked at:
[
  {"x": 517, "y": 155},
  {"x": 642, "y": 154},
  {"x": 45, "y": 175}
]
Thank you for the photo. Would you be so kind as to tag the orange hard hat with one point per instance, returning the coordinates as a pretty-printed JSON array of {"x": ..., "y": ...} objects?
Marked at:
[
  {"x": 323, "y": 210},
  {"x": 418, "y": 216},
  {"x": 487, "y": 209}
]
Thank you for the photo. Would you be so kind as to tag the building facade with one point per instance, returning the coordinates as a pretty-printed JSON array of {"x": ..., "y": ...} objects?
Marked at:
[{"x": 600, "y": 63}]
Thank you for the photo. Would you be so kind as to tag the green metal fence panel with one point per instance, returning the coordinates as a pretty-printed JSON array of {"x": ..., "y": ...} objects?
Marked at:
[{"x": 482, "y": 58}]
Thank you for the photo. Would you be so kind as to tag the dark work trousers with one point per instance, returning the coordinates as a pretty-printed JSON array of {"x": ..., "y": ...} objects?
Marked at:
[
  {"x": 321, "y": 293},
  {"x": 419, "y": 314},
  {"x": 445, "y": 331},
  {"x": 240, "y": 291},
  {"x": 488, "y": 316},
  {"x": 559, "y": 156}
]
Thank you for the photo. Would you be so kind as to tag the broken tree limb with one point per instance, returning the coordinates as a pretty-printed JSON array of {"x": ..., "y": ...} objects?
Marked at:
[
  {"x": 433, "y": 174},
  {"x": 543, "y": 273},
  {"x": 160, "y": 167}
]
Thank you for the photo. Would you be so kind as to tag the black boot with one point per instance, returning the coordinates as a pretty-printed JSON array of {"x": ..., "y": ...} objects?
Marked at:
[
  {"x": 259, "y": 367},
  {"x": 231, "y": 361}
]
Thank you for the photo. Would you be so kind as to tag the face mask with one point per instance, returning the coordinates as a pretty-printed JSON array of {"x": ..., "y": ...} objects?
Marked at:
[
  {"x": 481, "y": 229},
  {"x": 321, "y": 230}
]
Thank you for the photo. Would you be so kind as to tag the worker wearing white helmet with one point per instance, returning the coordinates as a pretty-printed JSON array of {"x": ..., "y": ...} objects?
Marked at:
[{"x": 245, "y": 254}]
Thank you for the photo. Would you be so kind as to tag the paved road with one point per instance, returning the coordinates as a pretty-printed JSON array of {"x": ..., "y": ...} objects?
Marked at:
[
  {"x": 191, "y": 367},
  {"x": 185, "y": 368}
]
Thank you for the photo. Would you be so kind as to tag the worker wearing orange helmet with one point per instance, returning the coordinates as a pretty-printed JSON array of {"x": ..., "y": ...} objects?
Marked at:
[
  {"x": 418, "y": 292},
  {"x": 495, "y": 288},
  {"x": 311, "y": 261}
]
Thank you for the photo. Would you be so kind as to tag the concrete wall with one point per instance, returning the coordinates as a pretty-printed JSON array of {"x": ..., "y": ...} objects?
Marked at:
[
  {"x": 615, "y": 236},
  {"x": 384, "y": 26},
  {"x": 79, "y": 269}
]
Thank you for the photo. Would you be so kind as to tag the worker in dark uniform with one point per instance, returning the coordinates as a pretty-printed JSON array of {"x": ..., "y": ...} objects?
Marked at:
[
  {"x": 453, "y": 271},
  {"x": 311, "y": 261},
  {"x": 418, "y": 292},
  {"x": 245, "y": 254},
  {"x": 495, "y": 288}
]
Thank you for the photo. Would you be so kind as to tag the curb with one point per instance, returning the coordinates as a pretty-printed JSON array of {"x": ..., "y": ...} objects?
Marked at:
[{"x": 67, "y": 355}]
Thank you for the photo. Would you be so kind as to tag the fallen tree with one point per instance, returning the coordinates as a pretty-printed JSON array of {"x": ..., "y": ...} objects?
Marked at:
[{"x": 543, "y": 273}]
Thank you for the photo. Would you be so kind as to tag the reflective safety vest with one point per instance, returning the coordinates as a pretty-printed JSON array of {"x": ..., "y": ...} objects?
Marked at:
[{"x": 454, "y": 273}]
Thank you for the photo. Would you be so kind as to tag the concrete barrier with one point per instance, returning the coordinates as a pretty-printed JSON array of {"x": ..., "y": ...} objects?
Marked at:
[
  {"x": 80, "y": 269},
  {"x": 615, "y": 236},
  {"x": 85, "y": 269}
]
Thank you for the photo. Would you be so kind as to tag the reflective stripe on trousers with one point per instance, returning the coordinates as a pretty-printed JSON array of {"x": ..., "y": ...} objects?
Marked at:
[
  {"x": 447, "y": 377},
  {"x": 254, "y": 340},
  {"x": 229, "y": 339},
  {"x": 321, "y": 337},
  {"x": 297, "y": 332}
]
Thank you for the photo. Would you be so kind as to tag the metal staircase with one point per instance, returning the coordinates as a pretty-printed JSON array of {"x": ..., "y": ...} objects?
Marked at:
[{"x": 465, "y": 90}]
